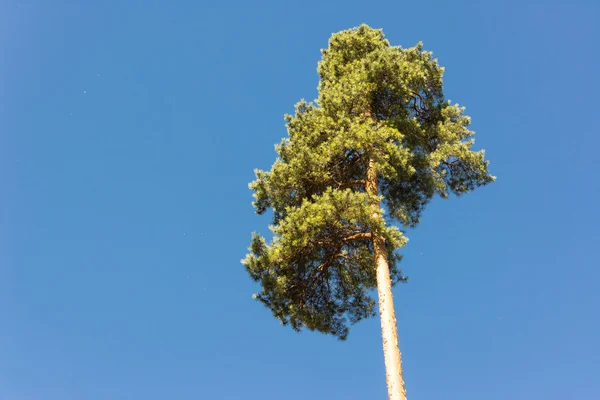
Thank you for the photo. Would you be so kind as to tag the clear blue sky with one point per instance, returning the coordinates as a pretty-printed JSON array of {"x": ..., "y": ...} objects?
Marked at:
[{"x": 130, "y": 129}]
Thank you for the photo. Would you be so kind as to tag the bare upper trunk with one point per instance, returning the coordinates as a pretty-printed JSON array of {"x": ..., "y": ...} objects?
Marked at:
[{"x": 389, "y": 334}]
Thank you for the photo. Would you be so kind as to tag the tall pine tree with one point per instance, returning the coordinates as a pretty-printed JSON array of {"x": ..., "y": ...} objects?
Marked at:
[{"x": 375, "y": 147}]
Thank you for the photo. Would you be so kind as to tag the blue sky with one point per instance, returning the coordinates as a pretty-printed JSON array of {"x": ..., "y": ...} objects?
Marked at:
[{"x": 130, "y": 129}]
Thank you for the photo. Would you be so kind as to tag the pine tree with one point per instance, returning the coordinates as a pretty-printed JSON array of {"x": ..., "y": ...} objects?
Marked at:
[{"x": 375, "y": 147}]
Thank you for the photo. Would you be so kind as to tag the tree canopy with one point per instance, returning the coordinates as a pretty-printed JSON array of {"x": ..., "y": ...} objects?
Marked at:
[{"x": 381, "y": 106}]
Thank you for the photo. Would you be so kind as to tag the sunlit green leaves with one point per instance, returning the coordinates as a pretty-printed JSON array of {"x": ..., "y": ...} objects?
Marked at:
[
  {"x": 318, "y": 272},
  {"x": 376, "y": 103}
]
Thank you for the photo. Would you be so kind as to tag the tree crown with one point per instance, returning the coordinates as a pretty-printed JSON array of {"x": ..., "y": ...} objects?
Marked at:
[{"x": 378, "y": 105}]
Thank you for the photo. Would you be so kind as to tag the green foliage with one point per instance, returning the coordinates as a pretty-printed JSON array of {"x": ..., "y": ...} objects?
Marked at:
[{"x": 376, "y": 103}]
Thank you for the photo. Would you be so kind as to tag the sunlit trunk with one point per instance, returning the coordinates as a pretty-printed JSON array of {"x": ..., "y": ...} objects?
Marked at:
[{"x": 389, "y": 333}]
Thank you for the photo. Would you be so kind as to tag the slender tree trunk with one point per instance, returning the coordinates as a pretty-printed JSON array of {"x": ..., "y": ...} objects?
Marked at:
[{"x": 389, "y": 334}]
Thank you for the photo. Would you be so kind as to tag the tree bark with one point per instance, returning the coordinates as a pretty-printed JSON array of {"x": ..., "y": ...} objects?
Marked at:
[{"x": 389, "y": 333}]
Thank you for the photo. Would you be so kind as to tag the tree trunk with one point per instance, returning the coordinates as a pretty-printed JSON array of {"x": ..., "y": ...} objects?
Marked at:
[{"x": 389, "y": 334}]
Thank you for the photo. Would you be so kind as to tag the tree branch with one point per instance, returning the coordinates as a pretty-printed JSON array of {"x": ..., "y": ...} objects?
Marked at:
[
  {"x": 356, "y": 236},
  {"x": 352, "y": 183},
  {"x": 361, "y": 235}
]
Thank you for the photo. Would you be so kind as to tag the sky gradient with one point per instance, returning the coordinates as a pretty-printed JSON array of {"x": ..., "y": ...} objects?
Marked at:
[{"x": 129, "y": 131}]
